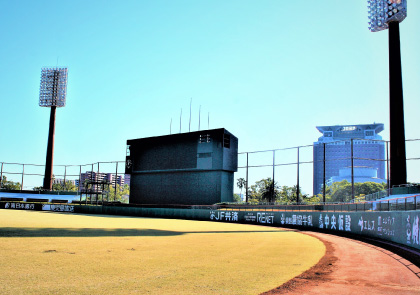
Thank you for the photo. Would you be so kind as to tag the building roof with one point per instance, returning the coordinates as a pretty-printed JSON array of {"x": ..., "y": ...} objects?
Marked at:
[{"x": 377, "y": 127}]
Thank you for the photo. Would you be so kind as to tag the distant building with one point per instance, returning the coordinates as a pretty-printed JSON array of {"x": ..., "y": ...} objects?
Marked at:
[
  {"x": 61, "y": 181},
  {"x": 368, "y": 154},
  {"x": 91, "y": 176}
]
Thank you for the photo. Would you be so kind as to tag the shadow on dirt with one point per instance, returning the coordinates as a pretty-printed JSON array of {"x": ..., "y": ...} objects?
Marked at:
[{"x": 15, "y": 232}]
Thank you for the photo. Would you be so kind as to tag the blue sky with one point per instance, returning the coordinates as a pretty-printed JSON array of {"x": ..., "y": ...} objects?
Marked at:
[{"x": 267, "y": 71}]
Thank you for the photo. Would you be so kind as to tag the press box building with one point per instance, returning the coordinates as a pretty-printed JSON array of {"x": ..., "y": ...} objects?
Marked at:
[
  {"x": 368, "y": 154},
  {"x": 194, "y": 168}
]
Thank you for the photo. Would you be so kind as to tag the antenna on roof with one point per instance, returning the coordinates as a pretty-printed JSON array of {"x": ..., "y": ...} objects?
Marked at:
[
  {"x": 208, "y": 121},
  {"x": 180, "y": 116},
  {"x": 199, "y": 117},
  {"x": 189, "y": 127},
  {"x": 170, "y": 127}
]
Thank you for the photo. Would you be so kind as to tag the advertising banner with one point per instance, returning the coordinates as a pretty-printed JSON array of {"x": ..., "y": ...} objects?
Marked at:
[
  {"x": 20, "y": 206},
  {"x": 400, "y": 226},
  {"x": 58, "y": 208}
]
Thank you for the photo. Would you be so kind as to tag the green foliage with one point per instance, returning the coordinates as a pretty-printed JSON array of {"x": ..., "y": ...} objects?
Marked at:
[
  {"x": 241, "y": 183},
  {"x": 313, "y": 200},
  {"x": 67, "y": 186},
  {"x": 265, "y": 190},
  {"x": 10, "y": 185},
  {"x": 237, "y": 198},
  {"x": 121, "y": 194},
  {"x": 342, "y": 191}
]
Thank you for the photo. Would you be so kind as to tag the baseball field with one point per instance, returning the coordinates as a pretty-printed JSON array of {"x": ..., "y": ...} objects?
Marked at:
[{"x": 61, "y": 253}]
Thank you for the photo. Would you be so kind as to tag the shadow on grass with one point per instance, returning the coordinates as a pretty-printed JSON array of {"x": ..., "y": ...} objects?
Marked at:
[{"x": 17, "y": 232}]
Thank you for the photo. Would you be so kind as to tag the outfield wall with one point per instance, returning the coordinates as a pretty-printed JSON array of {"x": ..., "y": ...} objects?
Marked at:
[
  {"x": 398, "y": 226},
  {"x": 401, "y": 227}
]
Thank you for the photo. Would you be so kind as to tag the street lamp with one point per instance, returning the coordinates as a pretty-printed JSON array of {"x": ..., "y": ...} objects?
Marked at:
[
  {"x": 52, "y": 94},
  {"x": 387, "y": 14}
]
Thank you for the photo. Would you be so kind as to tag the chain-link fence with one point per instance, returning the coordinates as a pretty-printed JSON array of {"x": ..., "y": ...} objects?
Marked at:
[
  {"x": 311, "y": 168},
  {"x": 82, "y": 179}
]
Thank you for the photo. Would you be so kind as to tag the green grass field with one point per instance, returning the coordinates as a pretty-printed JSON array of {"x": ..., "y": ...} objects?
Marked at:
[{"x": 58, "y": 253}]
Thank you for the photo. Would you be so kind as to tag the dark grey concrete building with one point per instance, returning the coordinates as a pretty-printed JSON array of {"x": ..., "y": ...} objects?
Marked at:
[{"x": 194, "y": 168}]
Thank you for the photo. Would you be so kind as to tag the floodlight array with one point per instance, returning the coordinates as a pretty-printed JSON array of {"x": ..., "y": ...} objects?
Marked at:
[
  {"x": 53, "y": 88},
  {"x": 382, "y": 12}
]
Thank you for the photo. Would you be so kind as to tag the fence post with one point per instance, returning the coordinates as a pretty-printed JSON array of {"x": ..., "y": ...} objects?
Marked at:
[
  {"x": 274, "y": 165},
  {"x": 80, "y": 183},
  {"x": 352, "y": 169},
  {"x": 246, "y": 189},
  {"x": 116, "y": 176},
  {"x": 1, "y": 175},
  {"x": 324, "y": 185},
  {"x": 65, "y": 173},
  {"x": 23, "y": 173},
  {"x": 387, "y": 167},
  {"x": 297, "y": 184}
]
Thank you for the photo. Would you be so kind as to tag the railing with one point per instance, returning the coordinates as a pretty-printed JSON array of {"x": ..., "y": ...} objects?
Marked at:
[
  {"x": 30, "y": 176},
  {"x": 396, "y": 204}
]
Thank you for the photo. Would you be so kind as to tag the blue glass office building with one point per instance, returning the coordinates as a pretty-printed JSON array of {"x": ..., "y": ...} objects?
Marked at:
[{"x": 368, "y": 154}]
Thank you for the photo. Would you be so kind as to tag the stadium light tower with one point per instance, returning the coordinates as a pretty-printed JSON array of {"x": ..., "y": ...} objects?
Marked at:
[
  {"x": 52, "y": 94},
  {"x": 387, "y": 14}
]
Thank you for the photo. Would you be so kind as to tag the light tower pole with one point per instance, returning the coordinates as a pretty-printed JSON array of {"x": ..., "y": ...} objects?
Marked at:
[
  {"x": 52, "y": 94},
  {"x": 387, "y": 14}
]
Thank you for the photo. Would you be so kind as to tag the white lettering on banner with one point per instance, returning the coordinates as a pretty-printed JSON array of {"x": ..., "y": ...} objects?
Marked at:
[
  {"x": 265, "y": 217},
  {"x": 385, "y": 226},
  {"x": 326, "y": 221},
  {"x": 304, "y": 220},
  {"x": 310, "y": 220},
  {"x": 333, "y": 222},
  {"x": 348, "y": 223},
  {"x": 62, "y": 208},
  {"x": 299, "y": 220},
  {"x": 214, "y": 215},
  {"x": 21, "y": 206},
  {"x": 344, "y": 222},
  {"x": 224, "y": 215},
  {"x": 408, "y": 231},
  {"x": 368, "y": 225},
  {"x": 340, "y": 222},
  {"x": 416, "y": 230},
  {"x": 250, "y": 217}
]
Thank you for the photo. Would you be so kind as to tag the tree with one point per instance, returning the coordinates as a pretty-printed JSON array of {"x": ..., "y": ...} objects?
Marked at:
[
  {"x": 342, "y": 191},
  {"x": 288, "y": 194},
  {"x": 237, "y": 198},
  {"x": 241, "y": 183},
  {"x": 120, "y": 194},
  {"x": 263, "y": 190},
  {"x": 67, "y": 186},
  {"x": 10, "y": 185}
]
